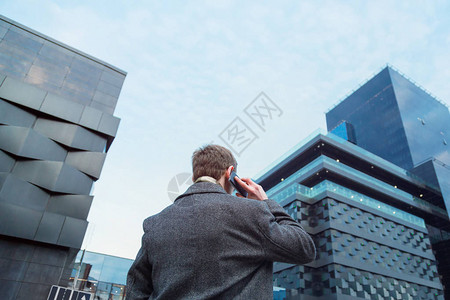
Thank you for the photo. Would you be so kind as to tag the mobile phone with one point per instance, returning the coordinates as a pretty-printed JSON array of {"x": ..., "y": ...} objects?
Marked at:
[{"x": 236, "y": 185}]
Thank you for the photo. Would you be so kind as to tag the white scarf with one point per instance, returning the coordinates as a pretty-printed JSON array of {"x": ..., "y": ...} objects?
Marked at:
[{"x": 206, "y": 179}]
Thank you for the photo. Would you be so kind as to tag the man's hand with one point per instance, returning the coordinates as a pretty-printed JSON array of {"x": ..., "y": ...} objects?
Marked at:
[{"x": 254, "y": 190}]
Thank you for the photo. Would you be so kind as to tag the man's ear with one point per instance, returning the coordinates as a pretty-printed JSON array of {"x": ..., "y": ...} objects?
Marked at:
[{"x": 228, "y": 173}]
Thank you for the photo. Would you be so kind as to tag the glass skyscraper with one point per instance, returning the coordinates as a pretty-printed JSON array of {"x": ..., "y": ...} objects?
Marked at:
[
  {"x": 397, "y": 120},
  {"x": 367, "y": 218},
  {"x": 371, "y": 192},
  {"x": 56, "y": 126}
]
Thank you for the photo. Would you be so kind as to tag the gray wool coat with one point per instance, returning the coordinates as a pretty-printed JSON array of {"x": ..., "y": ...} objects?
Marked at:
[{"x": 212, "y": 245}]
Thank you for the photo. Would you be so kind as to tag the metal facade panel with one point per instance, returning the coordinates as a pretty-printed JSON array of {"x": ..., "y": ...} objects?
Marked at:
[
  {"x": 22, "y": 93},
  {"x": 90, "y": 117},
  {"x": 12, "y": 138},
  {"x": 113, "y": 77},
  {"x": 14, "y": 60},
  {"x": 103, "y": 107},
  {"x": 23, "y": 39},
  {"x": 27, "y": 143},
  {"x": 88, "y": 70},
  {"x": 58, "y": 131},
  {"x": 44, "y": 72},
  {"x": 10, "y": 248},
  {"x": 13, "y": 115},
  {"x": 49, "y": 228},
  {"x": 3, "y": 29},
  {"x": 72, "y": 181},
  {"x": 39, "y": 255},
  {"x": 54, "y": 105},
  {"x": 12, "y": 269},
  {"x": 18, "y": 192},
  {"x": 109, "y": 89},
  {"x": 90, "y": 163},
  {"x": 49, "y": 255},
  {"x": 87, "y": 140},
  {"x": 55, "y": 54},
  {"x": 18, "y": 221},
  {"x": 40, "y": 147},
  {"x": 9, "y": 289},
  {"x": 104, "y": 98},
  {"x": 41, "y": 173},
  {"x": 6, "y": 162},
  {"x": 54, "y": 176},
  {"x": 76, "y": 206},
  {"x": 57, "y": 106},
  {"x": 73, "y": 232},
  {"x": 40, "y": 273},
  {"x": 71, "y": 135},
  {"x": 62, "y": 108},
  {"x": 109, "y": 124}
]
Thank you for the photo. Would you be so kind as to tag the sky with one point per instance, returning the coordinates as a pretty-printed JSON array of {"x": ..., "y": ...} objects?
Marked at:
[{"x": 196, "y": 69}]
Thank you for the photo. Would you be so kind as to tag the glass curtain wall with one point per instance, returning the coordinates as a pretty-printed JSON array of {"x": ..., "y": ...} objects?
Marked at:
[{"x": 102, "y": 275}]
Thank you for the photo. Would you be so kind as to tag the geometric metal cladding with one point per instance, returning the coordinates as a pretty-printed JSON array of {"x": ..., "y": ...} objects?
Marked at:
[
  {"x": 12, "y": 115},
  {"x": 43, "y": 103},
  {"x": 336, "y": 281},
  {"x": 88, "y": 162},
  {"x": 56, "y": 125},
  {"x": 16, "y": 191},
  {"x": 47, "y": 167},
  {"x": 361, "y": 254},
  {"x": 367, "y": 285},
  {"x": 54, "y": 176},
  {"x": 47, "y": 64},
  {"x": 6, "y": 162},
  {"x": 27, "y": 143},
  {"x": 75, "y": 206},
  {"x": 70, "y": 135}
]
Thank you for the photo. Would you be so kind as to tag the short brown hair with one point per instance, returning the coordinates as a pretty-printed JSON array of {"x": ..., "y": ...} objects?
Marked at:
[{"x": 212, "y": 160}]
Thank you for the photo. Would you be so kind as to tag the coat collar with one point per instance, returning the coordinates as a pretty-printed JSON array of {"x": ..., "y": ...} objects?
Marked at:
[{"x": 201, "y": 188}]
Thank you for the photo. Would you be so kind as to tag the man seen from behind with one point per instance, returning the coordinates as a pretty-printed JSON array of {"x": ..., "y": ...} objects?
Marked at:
[{"x": 210, "y": 244}]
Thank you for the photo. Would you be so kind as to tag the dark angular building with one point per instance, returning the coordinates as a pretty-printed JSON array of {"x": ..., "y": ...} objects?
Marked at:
[
  {"x": 395, "y": 119},
  {"x": 56, "y": 126},
  {"x": 367, "y": 219},
  {"x": 371, "y": 196}
]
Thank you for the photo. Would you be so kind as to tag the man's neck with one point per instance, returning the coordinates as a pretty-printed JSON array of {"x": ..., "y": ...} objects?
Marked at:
[
  {"x": 206, "y": 179},
  {"x": 220, "y": 182}
]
